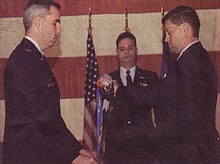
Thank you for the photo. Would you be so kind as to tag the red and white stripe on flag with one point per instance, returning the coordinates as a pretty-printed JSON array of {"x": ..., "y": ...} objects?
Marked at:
[{"x": 89, "y": 131}]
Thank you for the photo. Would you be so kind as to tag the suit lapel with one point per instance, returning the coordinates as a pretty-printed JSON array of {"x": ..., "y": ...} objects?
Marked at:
[
  {"x": 46, "y": 75},
  {"x": 30, "y": 47}
]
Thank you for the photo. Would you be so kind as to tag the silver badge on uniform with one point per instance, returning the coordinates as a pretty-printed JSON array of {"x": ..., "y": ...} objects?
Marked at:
[{"x": 50, "y": 83}]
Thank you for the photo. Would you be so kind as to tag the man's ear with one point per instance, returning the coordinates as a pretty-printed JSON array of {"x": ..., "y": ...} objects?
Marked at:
[
  {"x": 37, "y": 21},
  {"x": 186, "y": 27}
]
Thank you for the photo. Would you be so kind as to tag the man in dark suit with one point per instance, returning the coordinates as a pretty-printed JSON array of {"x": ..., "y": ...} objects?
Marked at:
[
  {"x": 35, "y": 132},
  {"x": 125, "y": 142},
  {"x": 185, "y": 98}
]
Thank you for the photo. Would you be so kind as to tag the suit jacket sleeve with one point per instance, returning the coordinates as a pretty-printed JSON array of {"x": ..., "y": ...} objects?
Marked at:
[{"x": 157, "y": 94}]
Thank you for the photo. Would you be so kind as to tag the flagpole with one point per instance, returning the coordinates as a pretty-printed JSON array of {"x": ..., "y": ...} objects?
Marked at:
[
  {"x": 92, "y": 74},
  {"x": 90, "y": 20},
  {"x": 126, "y": 20},
  {"x": 90, "y": 17},
  {"x": 162, "y": 11},
  {"x": 99, "y": 103},
  {"x": 166, "y": 56}
]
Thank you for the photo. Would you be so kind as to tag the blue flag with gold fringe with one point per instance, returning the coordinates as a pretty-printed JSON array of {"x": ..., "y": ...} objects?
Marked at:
[{"x": 99, "y": 122}]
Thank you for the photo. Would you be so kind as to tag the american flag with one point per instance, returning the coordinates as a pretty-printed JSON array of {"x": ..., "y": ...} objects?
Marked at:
[{"x": 92, "y": 74}]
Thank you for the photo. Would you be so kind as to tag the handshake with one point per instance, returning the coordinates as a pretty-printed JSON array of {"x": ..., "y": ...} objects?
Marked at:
[{"x": 107, "y": 85}]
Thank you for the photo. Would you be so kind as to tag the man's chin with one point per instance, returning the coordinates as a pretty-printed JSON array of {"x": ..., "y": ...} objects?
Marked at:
[{"x": 52, "y": 44}]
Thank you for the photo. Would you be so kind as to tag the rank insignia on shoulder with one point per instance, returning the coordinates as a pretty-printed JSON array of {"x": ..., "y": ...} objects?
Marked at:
[
  {"x": 143, "y": 84},
  {"x": 142, "y": 77},
  {"x": 27, "y": 49},
  {"x": 50, "y": 83}
]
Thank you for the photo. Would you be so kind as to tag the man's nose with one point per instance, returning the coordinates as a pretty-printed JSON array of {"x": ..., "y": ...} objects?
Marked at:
[
  {"x": 167, "y": 38},
  {"x": 58, "y": 30}
]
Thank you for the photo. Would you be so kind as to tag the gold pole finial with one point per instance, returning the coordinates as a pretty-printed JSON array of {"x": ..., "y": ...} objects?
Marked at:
[
  {"x": 162, "y": 11},
  {"x": 90, "y": 21},
  {"x": 126, "y": 20},
  {"x": 126, "y": 17},
  {"x": 90, "y": 17}
]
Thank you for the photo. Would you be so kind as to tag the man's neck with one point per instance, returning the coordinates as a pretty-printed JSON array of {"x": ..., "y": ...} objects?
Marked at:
[{"x": 127, "y": 66}]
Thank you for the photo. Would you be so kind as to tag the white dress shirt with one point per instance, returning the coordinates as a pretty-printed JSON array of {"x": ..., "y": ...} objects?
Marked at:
[{"x": 123, "y": 74}]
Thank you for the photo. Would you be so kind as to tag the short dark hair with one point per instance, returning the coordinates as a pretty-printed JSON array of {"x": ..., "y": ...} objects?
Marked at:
[
  {"x": 182, "y": 14},
  {"x": 126, "y": 35}
]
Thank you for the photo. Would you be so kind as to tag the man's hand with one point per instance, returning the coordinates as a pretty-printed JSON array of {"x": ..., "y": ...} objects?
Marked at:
[
  {"x": 88, "y": 153},
  {"x": 85, "y": 157},
  {"x": 115, "y": 86}
]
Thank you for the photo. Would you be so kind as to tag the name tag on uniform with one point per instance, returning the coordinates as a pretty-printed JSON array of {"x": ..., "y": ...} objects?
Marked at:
[{"x": 143, "y": 84}]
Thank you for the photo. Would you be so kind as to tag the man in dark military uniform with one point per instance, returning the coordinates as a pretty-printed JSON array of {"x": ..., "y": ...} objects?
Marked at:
[
  {"x": 126, "y": 142},
  {"x": 35, "y": 132}
]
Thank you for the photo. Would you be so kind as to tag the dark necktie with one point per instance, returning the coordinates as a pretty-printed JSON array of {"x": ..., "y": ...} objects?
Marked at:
[{"x": 128, "y": 78}]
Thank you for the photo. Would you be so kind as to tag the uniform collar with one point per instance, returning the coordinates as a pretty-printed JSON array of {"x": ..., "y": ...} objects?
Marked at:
[
  {"x": 35, "y": 43},
  {"x": 123, "y": 71}
]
